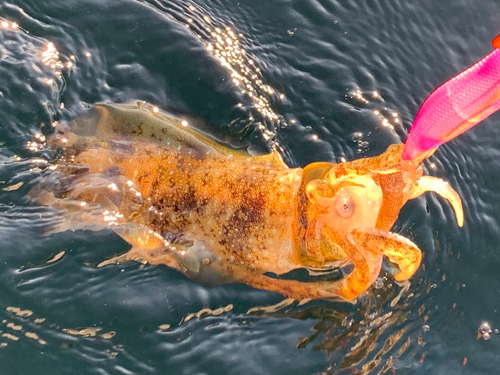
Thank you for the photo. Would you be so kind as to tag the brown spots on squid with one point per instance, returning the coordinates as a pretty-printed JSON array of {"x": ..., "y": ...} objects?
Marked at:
[
  {"x": 244, "y": 223},
  {"x": 248, "y": 215},
  {"x": 233, "y": 201},
  {"x": 139, "y": 130}
]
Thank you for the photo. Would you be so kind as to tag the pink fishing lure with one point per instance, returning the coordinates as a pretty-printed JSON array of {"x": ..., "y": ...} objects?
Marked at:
[{"x": 456, "y": 106}]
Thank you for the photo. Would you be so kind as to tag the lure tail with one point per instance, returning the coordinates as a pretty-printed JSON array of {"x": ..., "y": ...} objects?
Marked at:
[{"x": 456, "y": 106}]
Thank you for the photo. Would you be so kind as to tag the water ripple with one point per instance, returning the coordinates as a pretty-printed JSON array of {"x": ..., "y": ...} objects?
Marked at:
[{"x": 347, "y": 79}]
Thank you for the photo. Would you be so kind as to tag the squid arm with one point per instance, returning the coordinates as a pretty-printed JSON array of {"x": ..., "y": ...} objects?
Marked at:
[
  {"x": 365, "y": 248},
  {"x": 444, "y": 189},
  {"x": 400, "y": 250},
  {"x": 367, "y": 266}
]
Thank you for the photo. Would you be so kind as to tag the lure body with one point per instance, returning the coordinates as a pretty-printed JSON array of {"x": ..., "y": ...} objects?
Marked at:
[{"x": 455, "y": 107}]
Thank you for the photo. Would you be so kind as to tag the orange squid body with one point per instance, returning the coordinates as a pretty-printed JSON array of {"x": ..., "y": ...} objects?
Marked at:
[{"x": 218, "y": 215}]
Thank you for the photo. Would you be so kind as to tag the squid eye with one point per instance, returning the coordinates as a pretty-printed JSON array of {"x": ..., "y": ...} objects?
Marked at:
[{"x": 345, "y": 206}]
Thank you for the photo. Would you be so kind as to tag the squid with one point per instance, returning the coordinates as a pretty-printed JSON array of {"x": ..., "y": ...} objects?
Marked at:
[{"x": 219, "y": 215}]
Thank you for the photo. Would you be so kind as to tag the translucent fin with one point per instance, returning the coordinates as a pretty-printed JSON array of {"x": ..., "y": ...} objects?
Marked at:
[
  {"x": 140, "y": 236},
  {"x": 147, "y": 122}
]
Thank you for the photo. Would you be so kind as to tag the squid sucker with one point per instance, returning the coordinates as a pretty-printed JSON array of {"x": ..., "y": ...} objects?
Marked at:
[{"x": 219, "y": 215}]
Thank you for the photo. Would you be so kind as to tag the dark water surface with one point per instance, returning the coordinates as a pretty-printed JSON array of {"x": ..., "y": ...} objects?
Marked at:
[{"x": 311, "y": 68}]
